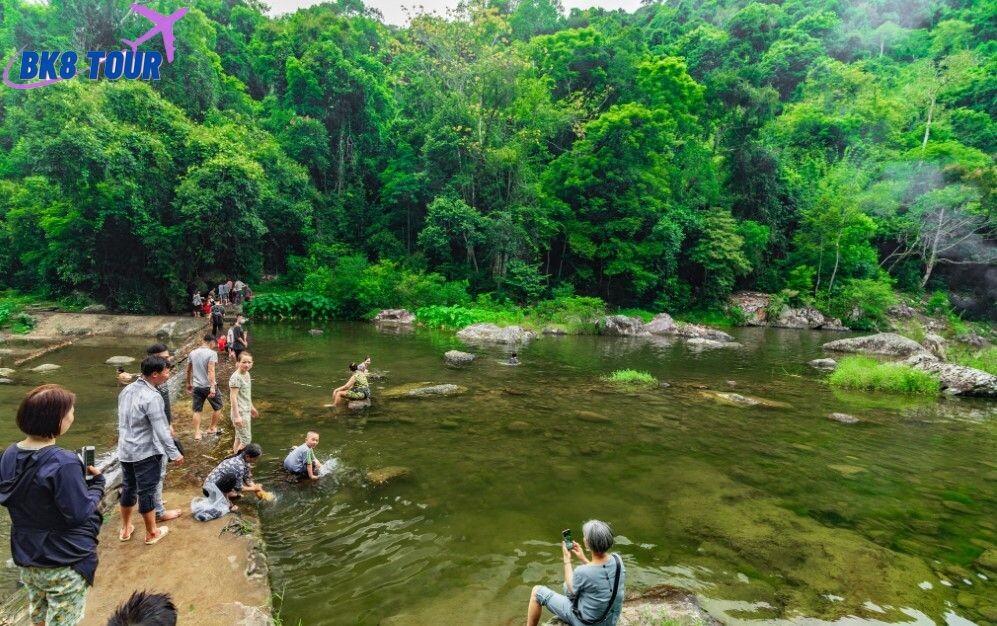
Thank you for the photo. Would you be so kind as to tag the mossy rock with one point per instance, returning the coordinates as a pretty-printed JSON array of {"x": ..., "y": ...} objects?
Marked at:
[
  {"x": 384, "y": 475},
  {"x": 424, "y": 390},
  {"x": 988, "y": 559},
  {"x": 742, "y": 401}
]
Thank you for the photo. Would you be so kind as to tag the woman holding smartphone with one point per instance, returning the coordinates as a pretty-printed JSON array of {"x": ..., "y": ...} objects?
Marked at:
[
  {"x": 593, "y": 590},
  {"x": 53, "y": 509}
]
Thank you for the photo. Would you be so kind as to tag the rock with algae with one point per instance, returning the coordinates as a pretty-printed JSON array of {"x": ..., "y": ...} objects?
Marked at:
[
  {"x": 424, "y": 390},
  {"x": 385, "y": 475},
  {"x": 739, "y": 400}
]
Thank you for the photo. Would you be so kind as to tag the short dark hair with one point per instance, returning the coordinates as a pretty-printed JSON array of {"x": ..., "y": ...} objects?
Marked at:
[
  {"x": 121, "y": 370},
  {"x": 353, "y": 367},
  {"x": 153, "y": 365},
  {"x": 145, "y": 609},
  {"x": 156, "y": 348},
  {"x": 42, "y": 410},
  {"x": 253, "y": 451},
  {"x": 209, "y": 338}
]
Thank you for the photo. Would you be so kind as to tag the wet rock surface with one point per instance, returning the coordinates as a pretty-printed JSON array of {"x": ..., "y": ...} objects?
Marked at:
[
  {"x": 889, "y": 344},
  {"x": 622, "y": 326},
  {"x": 843, "y": 418},
  {"x": 754, "y": 305},
  {"x": 956, "y": 379},
  {"x": 456, "y": 357},
  {"x": 6, "y": 372},
  {"x": 739, "y": 400},
  {"x": 45, "y": 367},
  {"x": 384, "y": 475},
  {"x": 490, "y": 333},
  {"x": 709, "y": 344},
  {"x": 120, "y": 360},
  {"x": 806, "y": 318},
  {"x": 662, "y": 324},
  {"x": 316, "y": 332},
  {"x": 424, "y": 390},
  {"x": 401, "y": 317},
  {"x": 823, "y": 364}
]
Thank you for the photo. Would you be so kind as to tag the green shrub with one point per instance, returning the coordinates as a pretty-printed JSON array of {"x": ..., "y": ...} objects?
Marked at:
[
  {"x": 860, "y": 372},
  {"x": 985, "y": 359},
  {"x": 869, "y": 297},
  {"x": 632, "y": 378},
  {"x": 291, "y": 305}
]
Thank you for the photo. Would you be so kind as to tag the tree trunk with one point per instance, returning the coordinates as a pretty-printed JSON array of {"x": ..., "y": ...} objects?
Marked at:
[
  {"x": 820, "y": 266},
  {"x": 882, "y": 44},
  {"x": 837, "y": 260},
  {"x": 933, "y": 257},
  {"x": 341, "y": 168},
  {"x": 927, "y": 126}
]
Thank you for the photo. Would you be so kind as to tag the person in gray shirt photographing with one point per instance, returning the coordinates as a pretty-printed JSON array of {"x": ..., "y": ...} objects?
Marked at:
[
  {"x": 202, "y": 385},
  {"x": 593, "y": 590}
]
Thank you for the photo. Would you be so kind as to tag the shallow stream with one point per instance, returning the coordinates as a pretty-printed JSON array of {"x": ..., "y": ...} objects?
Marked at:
[{"x": 771, "y": 514}]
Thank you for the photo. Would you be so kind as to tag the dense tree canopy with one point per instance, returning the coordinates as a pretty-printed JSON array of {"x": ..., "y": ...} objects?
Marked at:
[{"x": 660, "y": 158}]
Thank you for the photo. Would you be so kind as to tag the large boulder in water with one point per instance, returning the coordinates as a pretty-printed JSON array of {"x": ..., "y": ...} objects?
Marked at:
[
  {"x": 662, "y": 324},
  {"x": 823, "y": 364},
  {"x": 495, "y": 334},
  {"x": 424, "y": 390},
  {"x": 120, "y": 360},
  {"x": 622, "y": 326},
  {"x": 398, "y": 317},
  {"x": 456, "y": 357},
  {"x": 957, "y": 380},
  {"x": 806, "y": 318},
  {"x": 738, "y": 400},
  {"x": 699, "y": 343},
  {"x": 890, "y": 344},
  {"x": 695, "y": 331}
]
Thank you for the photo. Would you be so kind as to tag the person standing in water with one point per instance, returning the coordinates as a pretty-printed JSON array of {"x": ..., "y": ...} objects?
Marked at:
[
  {"x": 356, "y": 388},
  {"x": 202, "y": 384},
  {"x": 241, "y": 399}
]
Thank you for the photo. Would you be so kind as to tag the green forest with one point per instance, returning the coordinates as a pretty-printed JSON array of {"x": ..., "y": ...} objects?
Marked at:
[{"x": 834, "y": 152}]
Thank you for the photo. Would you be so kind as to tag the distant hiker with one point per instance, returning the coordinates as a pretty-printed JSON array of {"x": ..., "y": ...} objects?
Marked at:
[
  {"x": 229, "y": 288},
  {"x": 240, "y": 338},
  {"x": 54, "y": 513},
  {"x": 198, "y": 303},
  {"x": 208, "y": 303},
  {"x": 162, "y": 515},
  {"x": 356, "y": 388},
  {"x": 301, "y": 461},
  {"x": 143, "y": 439},
  {"x": 247, "y": 294},
  {"x": 234, "y": 474},
  {"x": 124, "y": 377},
  {"x": 201, "y": 384},
  {"x": 238, "y": 291},
  {"x": 217, "y": 318},
  {"x": 241, "y": 400},
  {"x": 223, "y": 293}
]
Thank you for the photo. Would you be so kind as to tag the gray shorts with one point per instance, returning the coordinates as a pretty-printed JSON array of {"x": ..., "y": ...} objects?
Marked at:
[{"x": 557, "y": 604}]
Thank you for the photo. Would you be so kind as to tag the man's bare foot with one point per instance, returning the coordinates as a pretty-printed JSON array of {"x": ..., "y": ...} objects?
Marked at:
[{"x": 169, "y": 515}]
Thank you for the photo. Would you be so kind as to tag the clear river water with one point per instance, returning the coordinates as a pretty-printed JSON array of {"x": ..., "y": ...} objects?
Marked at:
[{"x": 767, "y": 514}]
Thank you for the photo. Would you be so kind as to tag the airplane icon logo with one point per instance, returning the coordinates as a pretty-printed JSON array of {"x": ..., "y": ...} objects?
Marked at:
[{"x": 163, "y": 25}]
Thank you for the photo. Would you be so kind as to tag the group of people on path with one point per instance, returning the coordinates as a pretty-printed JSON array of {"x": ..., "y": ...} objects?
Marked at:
[{"x": 230, "y": 292}]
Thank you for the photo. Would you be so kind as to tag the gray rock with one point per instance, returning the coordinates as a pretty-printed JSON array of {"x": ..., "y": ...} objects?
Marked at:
[
  {"x": 806, "y": 317},
  {"x": 555, "y": 331},
  {"x": 902, "y": 311},
  {"x": 495, "y": 334},
  {"x": 890, "y": 344},
  {"x": 6, "y": 381},
  {"x": 358, "y": 405},
  {"x": 7, "y": 372},
  {"x": 120, "y": 360},
  {"x": 843, "y": 418},
  {"x": 422, "y": 390},
  {"x": 456, "y": 357},
  {"x": 972, "y": 339},
  {"x": 662, "y": 324},
  {"x": 166, "y": 331},
  {"x": 823, "y": 364},
  {"x": 518, "y": 427},
  {"x": 701, "y": 343},
  {"x": 45, "y": 367},
  {"x": 316, "y": 332},
  {"x": 739, "y": 400},
  {"x": 622, "y": 326},
  {"x": 695, "y": 331},
  {"x": 398, "y": 317},
  {"x": 94, "y": 308},
  {"x": 935, "y": 344},
  {"x": 754, "y": 304},
  {"x": 74, "y": 331},
  {"x": 957, "y": 380}
]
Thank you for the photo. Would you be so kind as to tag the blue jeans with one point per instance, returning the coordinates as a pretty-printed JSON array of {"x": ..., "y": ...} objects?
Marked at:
[{"x": 139, "y": 482}]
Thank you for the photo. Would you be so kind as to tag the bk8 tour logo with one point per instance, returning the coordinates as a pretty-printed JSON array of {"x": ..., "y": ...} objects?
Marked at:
[{"x": 54, "y": 66}]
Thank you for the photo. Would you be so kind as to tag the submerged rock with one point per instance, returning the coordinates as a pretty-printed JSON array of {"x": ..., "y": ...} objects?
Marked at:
[
  {"x": 739, "y": 400},
  {"x": 456, "y": 357},
  {"x": 316, "y": 332},
  {"x": 385, "y": 475},
  {"x": 988, "y": 560},
  {"x": 6, "y": 371},
  {"x": 843, "y": 418},
  {"x": 358, "y": 405},
  {"x": 518, "y": 426},
  {"x": 495, "y": 334},
  {"x": 424, "y": 390},
  {"x": 592, "y": 417},
  {"x": 120, "y": 360},
  {"x": 6, "y": 381},
  {"x": 823, "y": 364},
  {"x": 957, "y": 380},
  {"x": 707, "y": 344},
  {"x": 622, "y": 326},
  {"x": 398, "y": 317},
  {"x": 890, "y": 344},
  {"x": 45, "y": 367}
]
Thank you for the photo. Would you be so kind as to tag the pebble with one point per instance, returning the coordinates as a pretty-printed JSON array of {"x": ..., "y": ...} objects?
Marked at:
[
  {"x": 45, "y": 367},
  {"x": 843, "y": 418}
]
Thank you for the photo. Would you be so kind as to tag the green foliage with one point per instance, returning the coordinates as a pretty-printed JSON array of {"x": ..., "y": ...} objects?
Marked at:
[
  {"x": 859, "y": 372},
  {"x": 864, "y": 302},
  {"x": 293, "y": 305},
  {"x": 632, "y": 379}
]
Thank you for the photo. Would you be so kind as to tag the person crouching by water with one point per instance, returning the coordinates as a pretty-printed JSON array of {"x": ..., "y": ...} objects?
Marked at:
[
  {"x": 53, "y": 510},
  {"x": 594, "y": 589},
  {"x": 234, "y": 474},
  {"x": 356, "y": 388},
  {"x": 301, "y": 461}
]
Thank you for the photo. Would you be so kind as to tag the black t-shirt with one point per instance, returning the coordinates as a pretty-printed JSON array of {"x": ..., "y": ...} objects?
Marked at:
[{"x": 237, "y": 334}]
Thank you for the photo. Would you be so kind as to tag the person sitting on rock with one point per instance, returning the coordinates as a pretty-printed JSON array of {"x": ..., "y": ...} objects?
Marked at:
[
  {"x": 356, "y": 388},
  {"x": 301, "y": 461},
  {"x": 124, "y": 378},
  {"x": 234, "y": 474},
  {"x": 594, "y": 590}
]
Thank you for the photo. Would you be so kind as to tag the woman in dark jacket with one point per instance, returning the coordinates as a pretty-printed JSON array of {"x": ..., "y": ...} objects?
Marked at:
[{"x": 53, "y": 509}]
